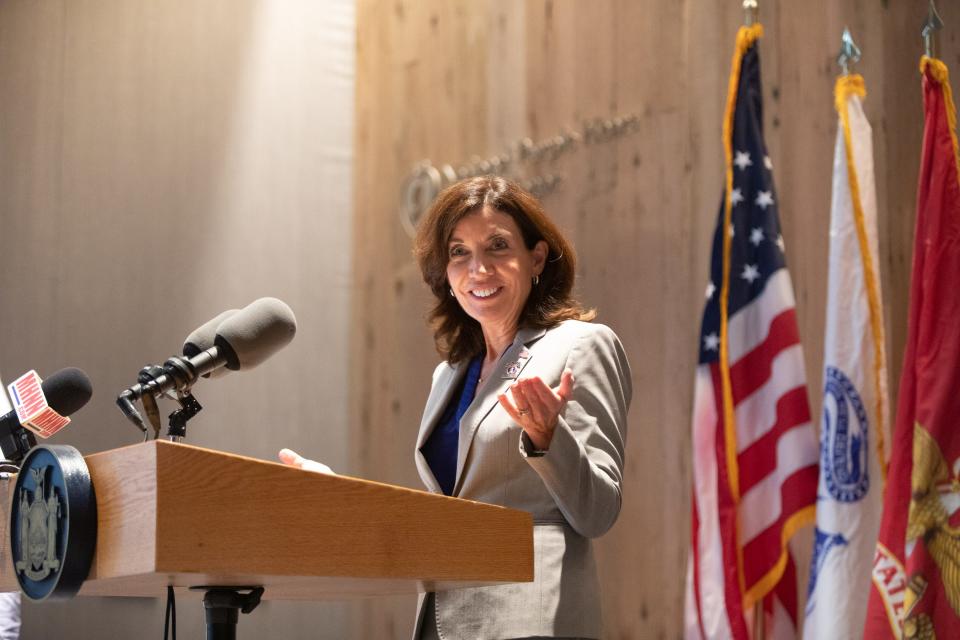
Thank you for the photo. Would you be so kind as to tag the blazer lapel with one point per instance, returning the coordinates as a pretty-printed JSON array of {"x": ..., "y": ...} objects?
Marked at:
[
  {"x": 440, "y": 396},
  {"x": 511, "y": 365}
]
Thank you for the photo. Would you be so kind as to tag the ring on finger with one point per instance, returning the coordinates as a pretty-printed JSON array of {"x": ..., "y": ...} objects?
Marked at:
[{"x": 523, "y": 412}]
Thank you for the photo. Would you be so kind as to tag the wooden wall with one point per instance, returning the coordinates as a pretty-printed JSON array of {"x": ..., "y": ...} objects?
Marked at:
[
  {"x": 161, "y": 162},
  {"x": 447, "y": 80}
]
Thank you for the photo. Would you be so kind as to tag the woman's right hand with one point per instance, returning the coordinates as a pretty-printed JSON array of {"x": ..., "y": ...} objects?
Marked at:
[{"x": 294, "y": 459}]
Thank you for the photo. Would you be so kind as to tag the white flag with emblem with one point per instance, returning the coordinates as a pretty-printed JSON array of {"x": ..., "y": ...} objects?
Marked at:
[{"x": 855, "y": 419}]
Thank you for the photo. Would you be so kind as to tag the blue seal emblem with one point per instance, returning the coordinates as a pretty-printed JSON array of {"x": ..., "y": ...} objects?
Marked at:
[
  {"x": 53, "y": 523},
  {"x": 844, "y": 450}
]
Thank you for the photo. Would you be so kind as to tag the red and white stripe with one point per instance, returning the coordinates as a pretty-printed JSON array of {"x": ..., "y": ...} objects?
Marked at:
[
  {"x": 33, "y": 412},
  {"x": 777, "y": 458}
]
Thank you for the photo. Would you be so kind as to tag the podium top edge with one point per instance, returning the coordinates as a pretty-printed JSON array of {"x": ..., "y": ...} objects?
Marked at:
[{"x": 174, "y": 447}]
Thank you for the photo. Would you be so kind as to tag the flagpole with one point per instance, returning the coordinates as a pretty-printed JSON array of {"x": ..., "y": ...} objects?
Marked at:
[
  {"x": 751, "y": 12},
  {"x": 931, "y": 25},
  {"x": 751, "y": 17},
  {"x": 849, "y": 52}
]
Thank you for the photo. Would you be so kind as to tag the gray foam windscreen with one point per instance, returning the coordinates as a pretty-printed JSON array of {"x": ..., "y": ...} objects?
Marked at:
[
  {"x": 256, "y": 332},
  {"x": 204, "y": 337}
]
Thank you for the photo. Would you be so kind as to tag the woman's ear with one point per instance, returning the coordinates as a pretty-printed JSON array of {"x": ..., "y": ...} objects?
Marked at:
[{"x": 540, "y": 251}]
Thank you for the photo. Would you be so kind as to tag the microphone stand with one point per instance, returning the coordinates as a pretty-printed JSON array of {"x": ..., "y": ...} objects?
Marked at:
[
  {"x": 189, "y": 407},
  {"x": 223, "y": 606}
]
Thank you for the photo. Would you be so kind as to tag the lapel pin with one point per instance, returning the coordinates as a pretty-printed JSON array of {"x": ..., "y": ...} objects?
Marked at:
[{"x": 512, "y": 370}]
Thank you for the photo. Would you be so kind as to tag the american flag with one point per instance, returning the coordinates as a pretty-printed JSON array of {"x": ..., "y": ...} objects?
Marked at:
[{"x": 755, "y": 455}]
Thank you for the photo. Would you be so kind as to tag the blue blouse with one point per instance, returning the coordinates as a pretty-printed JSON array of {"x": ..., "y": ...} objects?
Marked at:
[{"x": 440, "y": 449}]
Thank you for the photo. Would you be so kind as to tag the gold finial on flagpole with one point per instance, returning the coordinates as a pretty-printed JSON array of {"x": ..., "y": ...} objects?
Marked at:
[
  {"x": 751, "y": 12},
  {"x": 931, "y": 25},
  {"x": 849, "y": 52}
]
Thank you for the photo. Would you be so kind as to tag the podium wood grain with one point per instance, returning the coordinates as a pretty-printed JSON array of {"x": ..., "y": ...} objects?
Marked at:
[{"x": 174, "y": 514}]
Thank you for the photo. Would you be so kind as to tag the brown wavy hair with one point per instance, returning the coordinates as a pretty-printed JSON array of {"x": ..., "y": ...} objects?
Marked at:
[{"x": 458, "y": 336}]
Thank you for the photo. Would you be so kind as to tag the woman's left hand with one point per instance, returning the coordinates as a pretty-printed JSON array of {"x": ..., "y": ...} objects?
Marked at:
[
  {"x": 536, "y": 407},
  {"x": 292, "y": 458}
]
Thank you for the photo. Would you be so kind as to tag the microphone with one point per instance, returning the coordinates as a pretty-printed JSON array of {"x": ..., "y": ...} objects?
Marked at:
[
  {"x": 66, "y": 392},
  {"x": 255, "y": 333},
  {"x": 202, "y": 338},
  {"x": 242, "y": 340}
]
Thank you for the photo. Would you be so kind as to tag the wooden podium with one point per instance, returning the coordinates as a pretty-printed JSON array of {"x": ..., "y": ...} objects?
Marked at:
[{"x": 175, "y": 514}]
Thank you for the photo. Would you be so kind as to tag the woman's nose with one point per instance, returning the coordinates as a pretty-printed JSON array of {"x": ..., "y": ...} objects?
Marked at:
[{"x": 478, "y": 265}]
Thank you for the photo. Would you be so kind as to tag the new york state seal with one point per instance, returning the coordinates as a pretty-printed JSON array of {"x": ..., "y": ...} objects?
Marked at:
[{"x": 53, "y": 523}]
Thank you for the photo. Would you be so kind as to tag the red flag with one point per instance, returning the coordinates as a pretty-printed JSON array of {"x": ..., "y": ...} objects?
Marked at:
[{"x": 916, "y": 573}]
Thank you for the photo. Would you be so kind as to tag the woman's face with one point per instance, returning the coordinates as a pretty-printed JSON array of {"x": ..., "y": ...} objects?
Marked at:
[{"x": 490, "y": 270}]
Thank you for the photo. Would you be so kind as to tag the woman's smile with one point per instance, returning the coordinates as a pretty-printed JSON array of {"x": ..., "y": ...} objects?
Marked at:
[{"x": 486, "y": 293}]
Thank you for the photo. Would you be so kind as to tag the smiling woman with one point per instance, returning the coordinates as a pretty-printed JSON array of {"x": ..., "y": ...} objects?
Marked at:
[
  {"x": 528, "y": 411},
  {"x": 437, "y": 249}
]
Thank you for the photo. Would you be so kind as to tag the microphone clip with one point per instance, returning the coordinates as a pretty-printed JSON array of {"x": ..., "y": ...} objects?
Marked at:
[
  {"x": 176, "y": 375},
  {"x": 189, "y": 407}
]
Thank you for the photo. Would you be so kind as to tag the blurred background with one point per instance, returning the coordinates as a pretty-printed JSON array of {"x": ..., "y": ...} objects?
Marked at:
[{"x": 163, "y": 161}]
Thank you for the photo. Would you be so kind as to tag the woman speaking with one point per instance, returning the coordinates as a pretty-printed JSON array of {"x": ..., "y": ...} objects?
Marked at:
[{"x": 528, "y": 410}]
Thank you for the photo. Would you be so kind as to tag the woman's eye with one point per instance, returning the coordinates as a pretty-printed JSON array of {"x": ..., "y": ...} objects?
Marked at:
[
  {"x": 498, "y": 243},
  {"x": 457, "y": 250}
]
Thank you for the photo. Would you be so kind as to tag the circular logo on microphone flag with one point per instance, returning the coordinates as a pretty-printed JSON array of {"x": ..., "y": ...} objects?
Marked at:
[{"x": 53, "y": 523}]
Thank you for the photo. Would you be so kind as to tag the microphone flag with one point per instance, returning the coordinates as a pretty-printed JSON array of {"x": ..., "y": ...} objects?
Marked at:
[{"x": 31, "y": 405}]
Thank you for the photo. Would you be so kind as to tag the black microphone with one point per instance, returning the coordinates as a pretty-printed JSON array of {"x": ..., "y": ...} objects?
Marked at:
[
  {"x": 66, "y": 392},
  {"x": 242, "y": 340}
]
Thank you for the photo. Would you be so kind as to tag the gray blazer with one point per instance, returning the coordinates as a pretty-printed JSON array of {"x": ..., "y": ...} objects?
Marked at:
[{"x": 573, "y": 491}]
